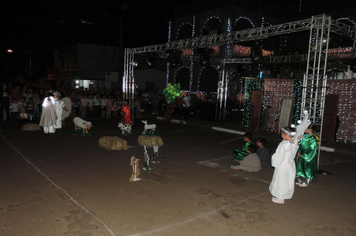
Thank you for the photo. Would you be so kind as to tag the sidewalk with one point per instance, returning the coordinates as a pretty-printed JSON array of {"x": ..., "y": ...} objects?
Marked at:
[{"x": 237, "y": 128}]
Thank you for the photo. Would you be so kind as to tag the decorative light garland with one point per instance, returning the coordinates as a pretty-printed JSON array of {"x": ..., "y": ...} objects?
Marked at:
[
  {"x": 245, "y": 18},
  {"x": 211, "y": 17},
  {"x": 180, "y": 26}
]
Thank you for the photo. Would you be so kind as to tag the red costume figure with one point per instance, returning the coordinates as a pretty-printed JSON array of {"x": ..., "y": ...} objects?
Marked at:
[{"x": 126, "y": 114}]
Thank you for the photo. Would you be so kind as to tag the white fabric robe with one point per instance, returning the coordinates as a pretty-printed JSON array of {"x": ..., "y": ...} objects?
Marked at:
[
  {"x": 282, "y": 185},
  {"x": 58, "y": 106},
  {"x": 48, "y": 116}
]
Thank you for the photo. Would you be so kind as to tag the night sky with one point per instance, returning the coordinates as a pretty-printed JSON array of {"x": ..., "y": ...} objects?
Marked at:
[{"x": 38, "y": 27}]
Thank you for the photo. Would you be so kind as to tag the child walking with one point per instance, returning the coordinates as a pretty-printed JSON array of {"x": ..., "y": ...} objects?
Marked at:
[
  {"x": 307, "y": 164},
  {"x": 282, "y": 185}
]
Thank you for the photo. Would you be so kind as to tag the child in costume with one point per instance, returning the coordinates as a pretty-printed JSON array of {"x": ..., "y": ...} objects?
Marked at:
[
  {"x": 155, "y": 153},
  {"x": 146, "y": 163},
  {"x": 251, "y": 163},
  {"x": 239, "y": 155},
  {"x": 307, "y": 164},
  {"x": 126, "y": 114},
  {"x": 282, "y": 185},
  {"x": 59, "y": 106},
  {"x": 262, "y": 152}
]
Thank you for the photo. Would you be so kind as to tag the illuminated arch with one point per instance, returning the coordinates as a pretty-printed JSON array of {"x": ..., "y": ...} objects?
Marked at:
[{"x": 212, "y": 25}]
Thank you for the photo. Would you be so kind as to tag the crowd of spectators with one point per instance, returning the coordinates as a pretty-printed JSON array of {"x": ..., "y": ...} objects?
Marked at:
[{"x": 98, "y": 103}]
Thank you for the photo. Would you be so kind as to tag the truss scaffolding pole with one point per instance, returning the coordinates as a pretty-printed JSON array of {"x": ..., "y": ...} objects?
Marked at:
[{"x": 315, "y": 78}]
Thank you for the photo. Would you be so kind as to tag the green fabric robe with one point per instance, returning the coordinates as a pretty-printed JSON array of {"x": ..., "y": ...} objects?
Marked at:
[
  {"x": 307, "y": 164},
  {"x": 239, "y": 155}
]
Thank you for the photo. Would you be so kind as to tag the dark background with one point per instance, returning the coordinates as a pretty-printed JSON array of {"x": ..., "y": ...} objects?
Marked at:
[{"x": 37, "y": 28}]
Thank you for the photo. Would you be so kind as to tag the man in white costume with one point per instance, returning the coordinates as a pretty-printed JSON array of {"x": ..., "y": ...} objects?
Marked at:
[
  {"x": 48, "y": 116},
  {"x": 58, "y": 106}
]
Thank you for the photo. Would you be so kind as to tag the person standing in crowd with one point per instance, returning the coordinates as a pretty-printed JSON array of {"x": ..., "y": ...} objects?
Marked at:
[
  {"x": 96, "y": 106},
  {"x": 48, "y": 116},
  {"x": 76, "y": 100},
  {"x": 103, "y": 105},
  {"x": 307, "y": 164},
  {"x": 108, "y": 107},
  {"x": 14, "y": 109},
  {"x": 282, "y": 185},
  {"x": 187, "y": 101},
  {"x": 37, "y": 105},
  {"x": 4, "y": 103},
  {"x": 155, "y": 101},
  {"x": 30, "y": 107},
  {"x": 84, "y": 106}
]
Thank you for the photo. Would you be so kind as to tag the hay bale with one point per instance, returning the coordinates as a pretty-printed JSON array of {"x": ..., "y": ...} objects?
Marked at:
[
  {"x": 31, "y": 127},
  {"x": 147, "y": 140},
  {"x": 113, "y": 143}
]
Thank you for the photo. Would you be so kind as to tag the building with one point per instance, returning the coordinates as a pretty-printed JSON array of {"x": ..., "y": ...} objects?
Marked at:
[{"x": 84, "y": 64}]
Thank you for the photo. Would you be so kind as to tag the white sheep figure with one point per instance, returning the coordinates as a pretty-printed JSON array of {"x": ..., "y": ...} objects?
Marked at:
[
  {"x": 79, "y": 123},
  {"x": 151, "y": 128},
  {"x": 125, "y": 128}
]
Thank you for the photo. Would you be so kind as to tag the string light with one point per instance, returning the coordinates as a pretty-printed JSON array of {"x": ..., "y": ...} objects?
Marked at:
[
  {"x": 346, "y": 89},
  {"x": 245, "y": 18},
  {"x": 205, "y": 23}
]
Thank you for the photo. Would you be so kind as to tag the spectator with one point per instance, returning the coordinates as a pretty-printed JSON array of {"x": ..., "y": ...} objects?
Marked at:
[
  {"x": 251, "y": 163},
  {"x": 262, "y": 152}
]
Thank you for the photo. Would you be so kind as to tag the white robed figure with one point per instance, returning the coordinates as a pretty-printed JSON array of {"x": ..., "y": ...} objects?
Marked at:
[
  {"x": 48, "y": 116},
  {"x": 59, "y": 106},
  {"x": 282, "y": 185}
]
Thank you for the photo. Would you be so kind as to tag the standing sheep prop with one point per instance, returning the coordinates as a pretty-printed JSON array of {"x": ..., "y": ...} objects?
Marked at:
[
  {"x": 149, "y": 128},
  {"x": 125, "y": 129}
]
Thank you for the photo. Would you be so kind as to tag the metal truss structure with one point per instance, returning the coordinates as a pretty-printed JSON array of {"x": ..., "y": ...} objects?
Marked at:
[{"x": 314, "y": 84}]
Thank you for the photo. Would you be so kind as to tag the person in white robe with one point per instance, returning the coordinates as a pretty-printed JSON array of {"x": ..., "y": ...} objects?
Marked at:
[
  {"x": 282, "y": 185},
  {"x": 48, "y": 116},
  {"x": 59, "y": 106}
]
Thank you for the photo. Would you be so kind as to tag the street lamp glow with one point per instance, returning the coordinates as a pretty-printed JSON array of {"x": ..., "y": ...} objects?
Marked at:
[{"x": 9, "y": 50}]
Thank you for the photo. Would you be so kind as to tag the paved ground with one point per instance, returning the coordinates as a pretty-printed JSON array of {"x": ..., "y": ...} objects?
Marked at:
[{"x": 61, "y": 184}]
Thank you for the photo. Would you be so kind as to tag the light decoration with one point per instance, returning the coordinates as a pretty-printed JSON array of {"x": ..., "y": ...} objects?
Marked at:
[
  {"x": 229, "y": 45},
  {"x": 275, "y": 90},
  {"x": 192, "y": 61},
  {"x": 335, "y": 53},
  {"x": 352, "y": 22},
  {"x": 211, "y": 17},
  {"x": 242, "y": 51},
  {"x": 245, "y": 18},
  {"x": 346, "y": 89},
  {"x": 172, "y": 92},
  {"x": 298, "y": 95},
  {"x": 180, "y": 26},
  {"x": 169, "y": 40}
]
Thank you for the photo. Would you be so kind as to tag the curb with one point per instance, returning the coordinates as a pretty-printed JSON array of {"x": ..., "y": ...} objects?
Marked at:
[{"x": 322, "y": 148}]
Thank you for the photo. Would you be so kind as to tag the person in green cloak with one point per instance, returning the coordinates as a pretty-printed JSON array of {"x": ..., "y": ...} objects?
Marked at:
[
  {"x": 307, "y": 163},
  {"x": 239, "y": 155}
]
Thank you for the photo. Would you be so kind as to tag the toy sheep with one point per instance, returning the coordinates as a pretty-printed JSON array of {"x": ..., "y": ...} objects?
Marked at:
[{"x": 79, "y": 123}]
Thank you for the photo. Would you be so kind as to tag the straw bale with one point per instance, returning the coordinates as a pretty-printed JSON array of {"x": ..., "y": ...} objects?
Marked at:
[
  {"x": 113, "y": 143},
  {"x": 147, "y": 140},
  {"x": 31, "y": 127}
]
